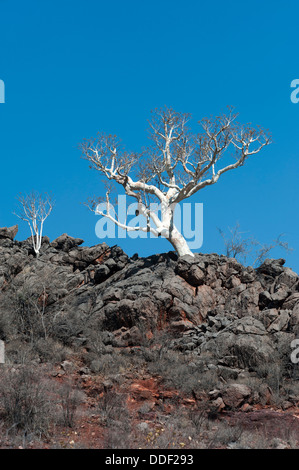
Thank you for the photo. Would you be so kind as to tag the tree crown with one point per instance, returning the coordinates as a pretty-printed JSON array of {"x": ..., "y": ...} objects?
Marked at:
[{"x": 178, "y": 163}]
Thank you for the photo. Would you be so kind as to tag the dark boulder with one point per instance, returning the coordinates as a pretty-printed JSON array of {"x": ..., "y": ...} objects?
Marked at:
[
  {"x": 271, "y": 267},
  {"x": 65, "y": 243},
  {"x": 8, "y": 232}
]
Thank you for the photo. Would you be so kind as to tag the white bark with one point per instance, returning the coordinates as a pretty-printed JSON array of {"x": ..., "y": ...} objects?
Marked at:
[
  {"x": 35, "y": 210},
  {"x": 182, "y": 165},
  {"x": 179, "y": 243}
]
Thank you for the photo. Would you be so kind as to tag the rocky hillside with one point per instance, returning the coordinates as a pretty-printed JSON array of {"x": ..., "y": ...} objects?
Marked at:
[
  {"x": 218, "y": 305},
  {"x": 208, "y": 315}
]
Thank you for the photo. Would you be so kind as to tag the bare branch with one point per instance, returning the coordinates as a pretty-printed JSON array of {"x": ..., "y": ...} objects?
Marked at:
[
  {"x": 243, "y": 248},
  {"x": 35, "y": 208},
  {"x": 177, "y": 164}
]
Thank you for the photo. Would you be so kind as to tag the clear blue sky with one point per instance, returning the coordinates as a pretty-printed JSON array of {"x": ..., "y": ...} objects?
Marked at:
[{"x": 73, "y": 68}]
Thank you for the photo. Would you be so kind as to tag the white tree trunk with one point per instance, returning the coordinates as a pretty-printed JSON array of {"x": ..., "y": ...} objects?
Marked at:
[
  {"x": 179, "y": 243},
  {"x": 172, "y": 234}
]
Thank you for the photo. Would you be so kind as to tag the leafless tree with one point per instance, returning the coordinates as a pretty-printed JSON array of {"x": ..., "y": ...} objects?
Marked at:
[
  {"x": 262, "y": 250},
  {"x": 35, "y": 208},
  {"x": 174, "y": 167},
  {"x": 236, "y": 246}
]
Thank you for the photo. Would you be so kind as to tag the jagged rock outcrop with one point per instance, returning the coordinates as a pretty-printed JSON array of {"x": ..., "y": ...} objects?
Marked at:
[
  {"x": 236, "y": 315},
  {"x": 8, "y": 232}
]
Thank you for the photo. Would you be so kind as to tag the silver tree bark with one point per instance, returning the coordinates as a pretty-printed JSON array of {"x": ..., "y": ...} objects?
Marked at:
[
  {"x": 176, "y": 166},
  {"x": 35, "y": 209}
]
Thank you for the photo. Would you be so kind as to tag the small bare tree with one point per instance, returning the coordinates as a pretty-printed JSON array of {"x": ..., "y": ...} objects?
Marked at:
[
  {"x": 35, "y": 208},
  {"x": 175, "y": 167},
  {"x": 236, "y": 246}
]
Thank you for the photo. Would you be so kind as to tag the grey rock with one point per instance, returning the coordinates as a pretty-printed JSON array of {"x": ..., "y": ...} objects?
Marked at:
[
  {"x": 291, "y": 301},
  {"x": 65, "y": 242},
  {"x": 276, "y": 299},
  {"x": 268, "y": 316},
  {"x": 234, "y": 395},
  {"x": 246, "y": 340},
  {"x": 101, "y": 273},
  {"x": 281, "y": 322},
  {"x": 228, "y": 373},
  {"x": 67, "y": 366},
  {"x": 288, "y": 277},
  {"x": 272, "y": 267},
  {"x": 8, "y": 232}
]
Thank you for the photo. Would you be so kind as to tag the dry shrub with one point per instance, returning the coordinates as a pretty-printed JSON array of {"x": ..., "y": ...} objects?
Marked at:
[
  {"x": 69, "y": 398},
  {"x": 27, "y": 401}
]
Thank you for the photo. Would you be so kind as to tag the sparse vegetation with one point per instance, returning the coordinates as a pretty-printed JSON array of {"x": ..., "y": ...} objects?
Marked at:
[
  {"x": 26, "y": 400},
  {"x": 138, "y": 366},
  {"x": 249, "y": 249}
]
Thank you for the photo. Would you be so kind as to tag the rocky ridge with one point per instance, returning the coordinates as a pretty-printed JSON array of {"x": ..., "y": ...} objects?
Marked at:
[{"x": 226, "y": 316}]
